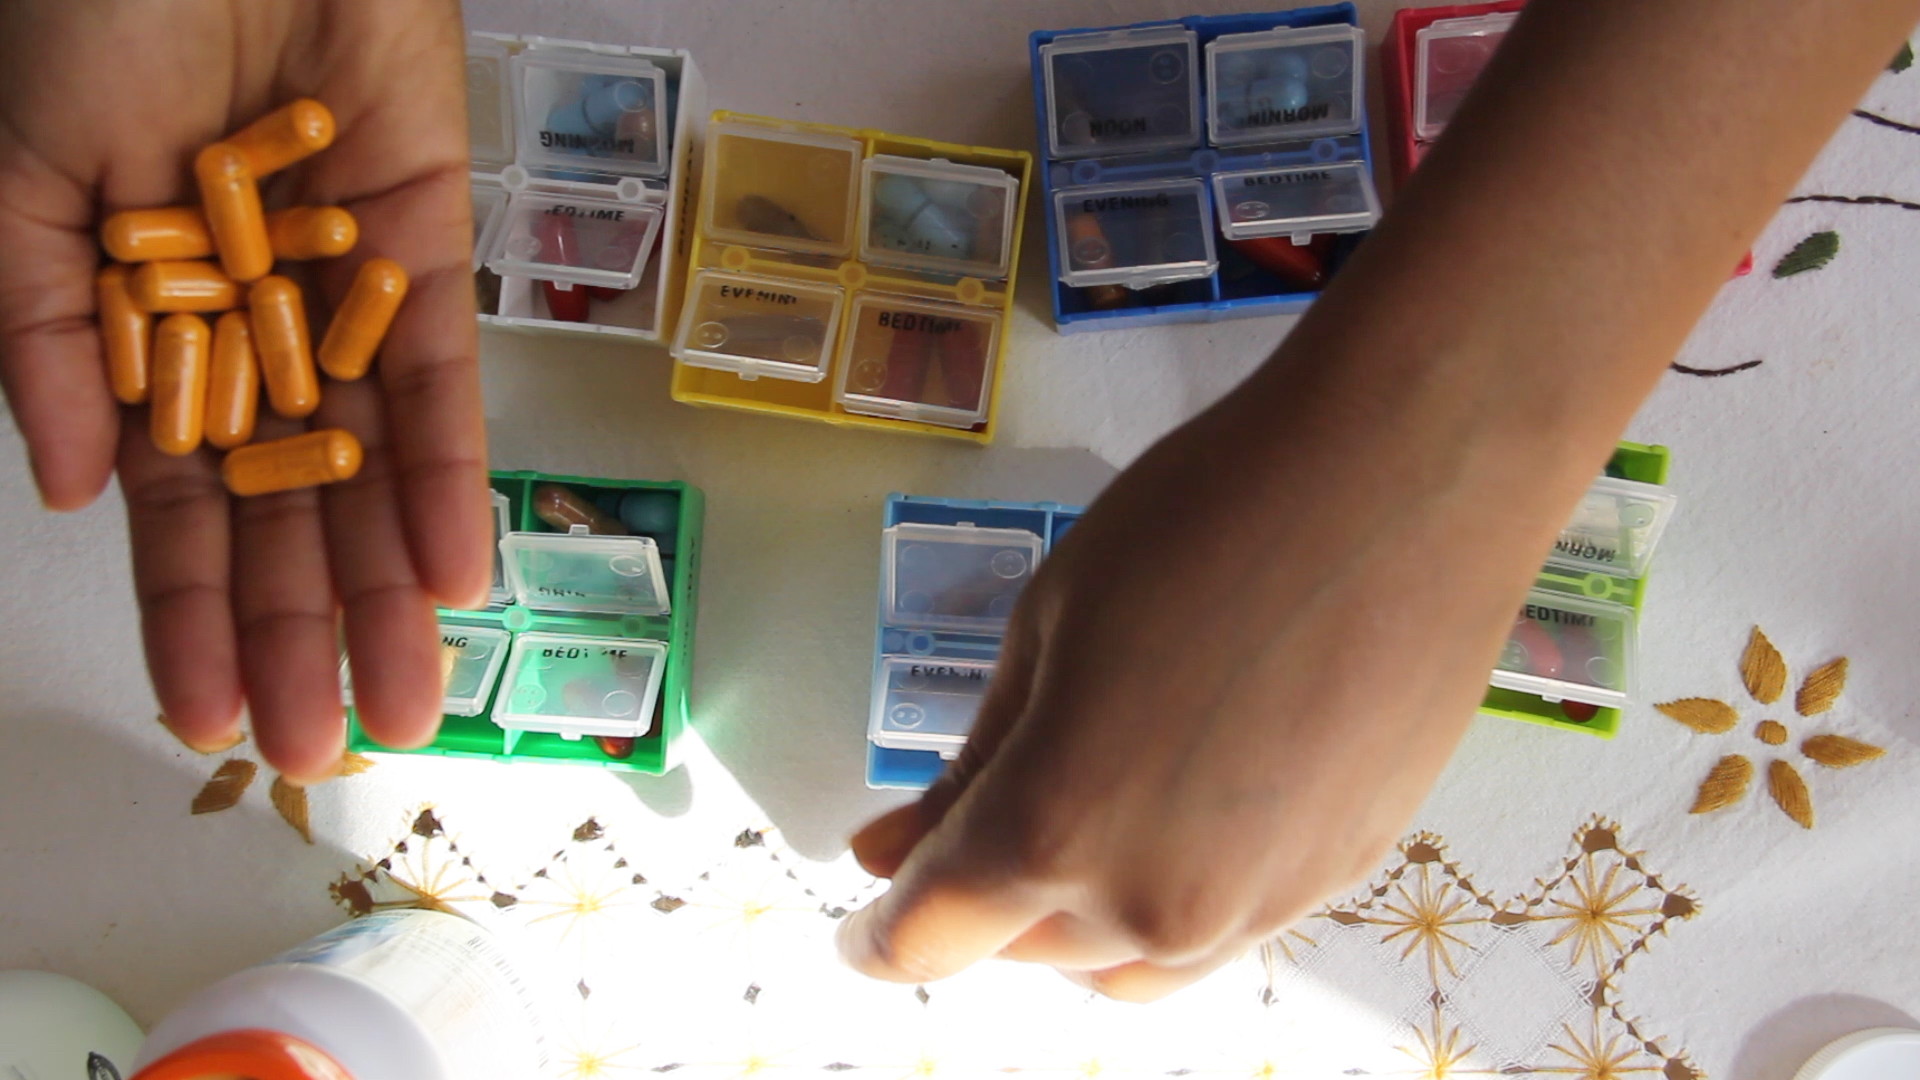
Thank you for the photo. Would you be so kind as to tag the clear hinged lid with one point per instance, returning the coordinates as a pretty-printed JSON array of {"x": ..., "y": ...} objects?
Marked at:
[
  {"x": 1447, "y": 57},
  {"x": 955, "y": 577},
  {"x": 612, "y": 575},
  {"x": 489, "y": 103},
  {"x": 501, "y": 592},
  {"x": 489, "y": 214},
  {"x": 1297, "y": 202},
  {"x": 1121, "y": 92},
  {"x": 771, "y": 187},
  {"x": 1615, "y": 528},
  {"x": 918, "y": 360},
  {"x": 924, "y": 703},
  {"x": 575, "y": 240},
  {"x": 470, "y": 658},
  {"x": 588, "y": 112},
  {"x": 1135, "y": 235},
  {"x": 1285, "y": 85},
  {"x": 1563, "y": 648},
  {"x": 756, "y": 326},
  {"x": 575, "y": 686},
  {"x": 937, "y": 216}
]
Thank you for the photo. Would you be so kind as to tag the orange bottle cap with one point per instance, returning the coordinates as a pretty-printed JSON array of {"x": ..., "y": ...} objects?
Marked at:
[{"x": 255, "y": 1054}]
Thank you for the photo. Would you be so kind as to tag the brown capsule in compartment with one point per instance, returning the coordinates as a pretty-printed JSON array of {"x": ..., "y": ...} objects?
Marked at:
[
  {"x": 183, "y": 286},
  {"x": 280, "y": 340},
  {"x": 354, "y": 336},
  {"x": 179, "y": 408},
  {"x": 233, "y": 384},
  {"x": 563, "y": 508},
  {"x": 311, "y": 232},
  {"x": 164, "y": 232},
  {"x": 126, "y": 335},
  {"x": 231, "y": 200},
  {"x": 284, "y": 136},
  {"x": 300, "y": 461}
]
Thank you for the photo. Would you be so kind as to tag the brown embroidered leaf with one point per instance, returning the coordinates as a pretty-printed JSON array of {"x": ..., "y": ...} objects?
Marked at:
[
  {"x": 1725, "y": 784},
  {"x": 1704, "y": 715},
  {"x": 354, "y": 764},
  {"x": 1771, "y": 732},
  {"x": 1838, "y": 751},
  {"x": 1821, "y": 688},
  {"x": 1790, "y": 793},
  {"x": 224, "y": 790},
  {"x": 291, "y": 802},
  {"x": 1763, "y": 669}
]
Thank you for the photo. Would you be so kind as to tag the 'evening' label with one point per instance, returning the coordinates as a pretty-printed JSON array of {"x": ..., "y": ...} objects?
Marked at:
[
  {"x": 765, "y": 296},
  {"x": 947, "y": 671},
  {"x": 1110, "y": 203}
]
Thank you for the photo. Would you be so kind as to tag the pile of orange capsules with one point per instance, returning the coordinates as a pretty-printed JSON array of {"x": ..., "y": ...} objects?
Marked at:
[{"x": 204, "y": 384}]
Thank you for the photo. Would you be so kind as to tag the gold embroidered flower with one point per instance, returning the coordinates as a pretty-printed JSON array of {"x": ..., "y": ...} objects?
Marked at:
[{"x": 1765, "y": 674}]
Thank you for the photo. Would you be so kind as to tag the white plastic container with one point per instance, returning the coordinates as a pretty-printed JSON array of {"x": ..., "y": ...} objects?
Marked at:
[
  {"x": 52, "y": 1028},
  {"x": 401, "y": 995}
]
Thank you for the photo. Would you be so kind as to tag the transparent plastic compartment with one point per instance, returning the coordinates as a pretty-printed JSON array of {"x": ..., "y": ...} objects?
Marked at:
[
  {"x": 1563, "y": 648},
  {"x": 937, "y": 216},
  {"x": 574, "y": 686},
  {"x": 1122, "y": 92},
  {"x": 614, "y": 575},
  {"x": 918, "y": 360},
  {"x": 489, "y": 103},
  {"x": 773, "y": 188},
  {"x": 501, "y": 592},
  {"x": 1615, "y": 528},
  {"x": 955, "y": 577},
  {"x": 489, "y": 214},
  {"x": 575, "y": 240},
  {"x": 473, "y": 655},
  {"x": 590, "y": 112},
  {"x": 1298, "y": 202},
  {"x": 1286, "y": 84},
  {"x": 1448, "y": 55},
  {"x": 925, "y": 703},
  {"x": 757, "y": 326},
  {"x": 1136, "y": 234}
]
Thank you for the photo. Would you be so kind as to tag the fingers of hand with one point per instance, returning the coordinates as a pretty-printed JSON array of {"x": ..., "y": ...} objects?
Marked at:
[
  {"x": 885, "y": 842},
  {"x": 1144, "y": 981},
  {"x": 1070, "y": 942},
  {"x": 928, "y": 928}
]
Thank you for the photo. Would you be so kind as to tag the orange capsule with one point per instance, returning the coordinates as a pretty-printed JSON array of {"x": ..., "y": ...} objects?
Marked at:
[
  {"x": 231, "y": 199},
  {"x": 311, "y": 232},
  {"x": 302, "y": 461},
  {"x": 179, "y": 383},
  {"x": 280, "y": 340},
  {"x": 182, "y": 286},
  {"x": 167, "y": 232},
  {"x": 126, "y": 332},
  {"x": 233, "y": 385},
  {"x": 362, "y": 320},
  {"x": 284, "y": 136}
]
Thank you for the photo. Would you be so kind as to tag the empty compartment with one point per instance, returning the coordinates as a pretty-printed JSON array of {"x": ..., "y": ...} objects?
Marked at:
[
  {"x": 500, "y": 592},
  {"x": 1448, "y": 55},
  {"x": 924, "y": 703},
  {"x": 755, "y": 326},
  {"x": 616, "y": 575},
  {"x": 1615, "y": 528},
  {"x": 1563, "y": 648},
  {"x": 938, "y": 217},
  {"x": 955, "y": 577},
  {"x": 1136, "y": 235},
  {"x": 1121, "y": 92},
  {"x": 1298, "y": 202},
  {"x": 590, "y": 112},
  {"x": 768, "y": 186},
  {"x": 470, "y": 661},
  {"x": 574, "y": 686},
  {"x": 1285, "y": 85},
  {"x": 918, "y": 360},
  {"x": 489, "y": 103}
]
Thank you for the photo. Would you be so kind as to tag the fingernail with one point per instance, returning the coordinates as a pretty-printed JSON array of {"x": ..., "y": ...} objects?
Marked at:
[
  {"x": 889, "y": 831},
  {"x": 202, "y": 748},
  {"x": 329, "y": 773}
]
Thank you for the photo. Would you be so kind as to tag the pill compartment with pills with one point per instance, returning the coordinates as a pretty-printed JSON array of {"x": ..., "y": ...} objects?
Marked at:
[
  {"x": 1429, "y": 59},
  {"x": 582, "y": 159},
  {"x": 591, "y": 620},
  {"x": 951, "y": 571},
  {"x": 851, "y": 276},
  {"x": 1154, "y": 211}
]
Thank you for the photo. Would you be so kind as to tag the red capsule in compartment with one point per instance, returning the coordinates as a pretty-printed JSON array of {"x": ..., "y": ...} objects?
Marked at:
[
  {"x": 615, "y": 746},
  {"x": 1579, "y": 711},
  {"x": 1531, "y": 648},
  {"x": 565, "y": 304},
  {"x": 963, "y": 365},
  {"x": 1300, "y": 266},
  {"x": 603, "y": 293}
]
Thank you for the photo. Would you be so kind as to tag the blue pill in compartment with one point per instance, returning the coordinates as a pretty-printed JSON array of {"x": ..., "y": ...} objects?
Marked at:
[{"x": 925, "y": 217}]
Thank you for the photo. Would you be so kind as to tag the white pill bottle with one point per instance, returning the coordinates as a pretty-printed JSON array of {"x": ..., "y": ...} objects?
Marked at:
[
  {"x": 400, "y": 995},
  {"x": 52, "y": 1028}
]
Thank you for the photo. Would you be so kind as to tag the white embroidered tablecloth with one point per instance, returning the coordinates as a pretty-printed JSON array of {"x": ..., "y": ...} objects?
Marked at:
[{"x": 1555, "y": 909}]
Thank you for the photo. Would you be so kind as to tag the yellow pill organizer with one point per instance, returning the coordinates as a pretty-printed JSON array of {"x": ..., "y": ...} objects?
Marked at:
[
  {"x": 582, "y": 160},
  {"x": 856, "y": 277}
]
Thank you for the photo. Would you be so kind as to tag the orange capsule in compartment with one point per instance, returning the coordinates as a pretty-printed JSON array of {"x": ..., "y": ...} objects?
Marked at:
[
  {"x": 231, "y": 200},
  {"x": 233, "y": 385},
  {"x": 166, "y": 232},
  {"x": 179, "y": 409},
  {"x": 300, "y": 461},
  {"x": 280, "y": 340},
  {"x": 354, "y": 336},
  {"x": 284, "y": 136},
  {"x": 183, "y": 286},
  {"x": 563, "y": 508},
  {"x": 126, "y": 334},
  {"x": 311, "y": 232}
]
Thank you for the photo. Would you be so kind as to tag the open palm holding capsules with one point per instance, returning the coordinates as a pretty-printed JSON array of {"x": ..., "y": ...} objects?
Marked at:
[{"x": 203, "y": 384}]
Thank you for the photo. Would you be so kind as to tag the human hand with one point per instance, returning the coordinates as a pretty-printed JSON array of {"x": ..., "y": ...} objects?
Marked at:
[{"x": 102, "y": 108}]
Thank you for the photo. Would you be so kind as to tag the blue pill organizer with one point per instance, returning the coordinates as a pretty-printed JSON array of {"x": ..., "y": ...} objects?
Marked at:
[{"x": 1176, "y": 152}]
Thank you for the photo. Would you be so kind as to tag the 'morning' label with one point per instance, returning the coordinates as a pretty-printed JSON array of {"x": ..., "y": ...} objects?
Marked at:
[
  {"x": 1275, "y": 117},
  {"x": 1110, "y": 203},
  {"x": 765, "y": 296},
  {"x": 595, "y": 144},
  {"x": 1580, "y": 548},
  {"x": 1272, "y": 179},
  {"x": 914, "y": 321},
  {"x": 1556, "y": 615}
]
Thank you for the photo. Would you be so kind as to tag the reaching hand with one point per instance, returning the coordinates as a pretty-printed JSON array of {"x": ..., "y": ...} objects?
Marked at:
[{"x": 102, "y": 108}]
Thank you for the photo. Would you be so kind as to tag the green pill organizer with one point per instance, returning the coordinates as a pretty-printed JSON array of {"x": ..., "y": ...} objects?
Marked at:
[{"x": 584, "y": 652}]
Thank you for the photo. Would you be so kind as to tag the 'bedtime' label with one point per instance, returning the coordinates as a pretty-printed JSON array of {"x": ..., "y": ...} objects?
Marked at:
[
  {"x": 1555, "y": 615},
  {"x": 914, "y": 321},
  {"x": 1274, "y": 179}
]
